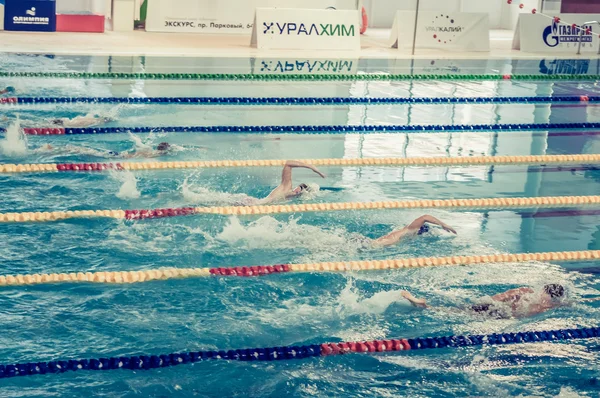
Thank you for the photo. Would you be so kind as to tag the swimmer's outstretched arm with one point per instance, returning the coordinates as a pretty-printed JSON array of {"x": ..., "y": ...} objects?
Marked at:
[
  {"x": 419, "y": 222},
  {"x": 420, "y": 303},
  {"x": 394, "y": 237},
  {"x": 286, "y": 173},
  {"x": 512, "y": 294},
  {"x": 285, "y": 187}
]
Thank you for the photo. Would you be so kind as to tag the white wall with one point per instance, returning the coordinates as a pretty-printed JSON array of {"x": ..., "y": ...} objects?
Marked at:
[
  {"x": 510, "y": 12},
  {"x": 381, "y": 12},
  {"x": 80, "y": 6},
  {"x": 492, "y": 7}
]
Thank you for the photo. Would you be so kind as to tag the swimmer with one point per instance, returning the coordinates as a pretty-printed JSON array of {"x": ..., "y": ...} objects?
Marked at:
[
  {"x": 162, "y": 149},
  {"x": 88, "y": 120},
  {"x": 285, "y": 190},
  {"x": 68, "y": 150},
  {"x": 517, "y": 303},
  {"x": 416, "y": 228},
  {"x": 7, "y": 90}
]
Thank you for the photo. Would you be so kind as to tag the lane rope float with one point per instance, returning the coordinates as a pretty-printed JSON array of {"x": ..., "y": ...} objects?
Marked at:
[
  {"x": 119, "y": 277},
  {"x": 482, "y": 203},
  {"x": 146, "y": 362},
  {"x": 350, "y": 162},
  {"x": 306, "y": 129},
  {"x": 362, "y": 76},
  {"x": 297, "y": 100}
]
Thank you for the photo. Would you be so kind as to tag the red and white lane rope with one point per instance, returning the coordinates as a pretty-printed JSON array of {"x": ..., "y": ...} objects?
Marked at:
[
  {"x": 415, "y": 161},
  {"x": 336, "y": 266},
  {"x": 482, "y": 203}
]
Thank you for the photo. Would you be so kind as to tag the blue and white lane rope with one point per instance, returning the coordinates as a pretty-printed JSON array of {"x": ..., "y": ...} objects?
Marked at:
[
  {"x": 306, "y": 129},
  {"x": 299, "y": 100},
  {"x": 146, "y": 362}
]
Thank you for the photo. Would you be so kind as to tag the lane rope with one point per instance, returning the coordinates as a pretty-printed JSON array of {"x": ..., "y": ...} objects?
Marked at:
[
  {"x": 305, "y": 129},
  {"x": 380, "y": 76},
  {"x": 146, "y": 362},
  {"x": 296, "y": 100},
  {"x": 119, "y": 277},
  {"x": 401, "y": 162},
  {"x": 482, "y": 203}
]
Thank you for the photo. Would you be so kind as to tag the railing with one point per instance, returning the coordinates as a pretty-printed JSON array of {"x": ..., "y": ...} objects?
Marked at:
[{"x": 581, "y": 30}]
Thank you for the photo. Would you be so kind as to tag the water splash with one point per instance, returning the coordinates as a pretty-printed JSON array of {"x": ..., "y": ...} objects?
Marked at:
[
  {"x": 351, "y": 302},
  {"x": 128, "y": 188},
  {"x": 201, "y": 195},
  {"x": 14, "y": 142},
  {"x": 270, "y": 233},
  {"x": 311, "y": 193},
  {"x": 139, "y": 144}
]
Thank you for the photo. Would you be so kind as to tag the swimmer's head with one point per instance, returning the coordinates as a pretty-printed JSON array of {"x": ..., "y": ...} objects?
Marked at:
[
  {"x": 555, "y": 291},
  {"x": 58, "y": 122},
  {"x": 301, "y": 189},
  {"x": 10, "y": 89},
  {"x": 163, "y": 147},
  {"x": 424, "y": 229},
  {"x": 479, "y": 308}
]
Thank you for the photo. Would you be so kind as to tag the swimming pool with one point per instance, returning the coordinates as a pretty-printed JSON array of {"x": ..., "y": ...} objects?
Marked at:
[{"x": 64, "y": 321}]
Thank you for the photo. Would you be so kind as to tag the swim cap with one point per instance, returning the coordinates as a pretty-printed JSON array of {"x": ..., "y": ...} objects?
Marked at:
[
  {"x": 113, "y": 153},
  {"x": 10, "y": 89},
  {"x": 163, "y": 146},
  {"x": 424, "y": 228}
]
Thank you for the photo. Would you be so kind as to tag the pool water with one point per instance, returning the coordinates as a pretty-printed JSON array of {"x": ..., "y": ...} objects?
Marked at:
[{"x": 64, "y": 321}]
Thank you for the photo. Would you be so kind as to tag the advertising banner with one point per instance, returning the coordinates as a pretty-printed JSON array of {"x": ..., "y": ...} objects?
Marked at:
[
  {"x": 222, "y": 16},
  {"x": 456, "y": 31},
  {"x": 539, "y": 34},
  {"x": 289, "y": 29},
  {"x": 30, "y": 15}
]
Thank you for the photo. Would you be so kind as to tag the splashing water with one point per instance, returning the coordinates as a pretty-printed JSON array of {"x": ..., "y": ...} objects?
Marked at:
[
  {"x": 205, "y": 196},
  {"x": 311, "y": 193},
  {"x": 270, "y": 233},
  {"x": 14, "y": 142},
  {"x": 350, "y": 301},
  {"x": 139, "y": 144},
  {"x": 128, "y": 188}
]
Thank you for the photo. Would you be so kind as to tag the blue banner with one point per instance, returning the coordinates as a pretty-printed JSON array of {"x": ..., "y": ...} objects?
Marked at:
[{"x": 30, "y": 15}]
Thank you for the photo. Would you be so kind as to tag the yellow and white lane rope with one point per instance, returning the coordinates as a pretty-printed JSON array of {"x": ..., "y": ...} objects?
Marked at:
[
  {"x": 482, "y": 203},
  {"x": 417, "y": 161},
  {"x": 338, "y": 266}
]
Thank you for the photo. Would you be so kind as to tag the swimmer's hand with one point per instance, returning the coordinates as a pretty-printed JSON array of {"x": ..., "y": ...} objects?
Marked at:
[
  {"x": 448, "y": 228},
  {"x": 319, "y": 173},
  {"x": 421, "y": 303}
]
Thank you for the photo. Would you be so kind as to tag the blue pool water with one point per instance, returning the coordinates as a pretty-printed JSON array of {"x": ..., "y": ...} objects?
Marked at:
[{"x": 65, "y": 321}]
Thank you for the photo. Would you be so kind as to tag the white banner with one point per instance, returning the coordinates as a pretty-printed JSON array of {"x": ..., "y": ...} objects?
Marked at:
[
  {"x": 540, "y": 34},
  {"x": 222, "y": 16},
  {"x": 457, "y": 31},
  {"x": 299, "y": 29}
]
